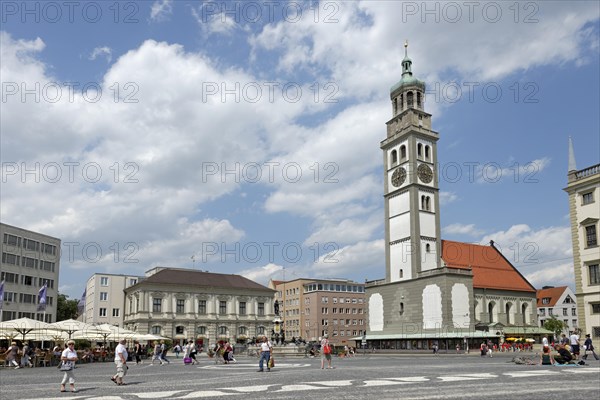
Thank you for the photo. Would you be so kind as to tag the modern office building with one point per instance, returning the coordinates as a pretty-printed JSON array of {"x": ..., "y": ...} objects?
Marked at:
[
  {"x": 30, "y": 260},
  {"x": 105, "y": 298},
  {"x": 314, "y": 307},
  {"x": 583, "y": 189}
]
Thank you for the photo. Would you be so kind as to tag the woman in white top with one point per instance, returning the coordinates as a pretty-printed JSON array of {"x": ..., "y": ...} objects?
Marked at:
[{"x": 69, "y": 357}]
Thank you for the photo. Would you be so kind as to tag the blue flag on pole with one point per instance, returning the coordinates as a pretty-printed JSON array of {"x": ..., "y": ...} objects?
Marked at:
[
  {"x": 81, "y": 303},
  {"x": 42, "y": 298},
  {"x": 1, "y": 294}
]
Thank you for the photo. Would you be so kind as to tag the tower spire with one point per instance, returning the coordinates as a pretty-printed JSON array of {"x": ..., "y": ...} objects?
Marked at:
[{"x": 572, "y": 165}]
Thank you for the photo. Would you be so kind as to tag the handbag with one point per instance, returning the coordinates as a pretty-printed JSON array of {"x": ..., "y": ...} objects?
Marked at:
[
  {"x": 271, "y": 362},
  {"x": 66, "y": 366}
]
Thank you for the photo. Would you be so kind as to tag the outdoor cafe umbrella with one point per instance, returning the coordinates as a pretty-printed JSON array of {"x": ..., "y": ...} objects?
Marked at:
[
  {"x": 70, "y": 326},
  {"x": 24, "y": 325}
]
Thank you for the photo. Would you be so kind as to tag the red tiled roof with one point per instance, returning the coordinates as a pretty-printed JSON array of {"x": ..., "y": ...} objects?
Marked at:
[
  {"x": 553, "y": 293},
  {"x": 491, "y": 270}
]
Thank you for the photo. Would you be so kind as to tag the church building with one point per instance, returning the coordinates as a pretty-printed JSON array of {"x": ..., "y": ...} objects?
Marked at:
[{"x": 434, "y": 290}]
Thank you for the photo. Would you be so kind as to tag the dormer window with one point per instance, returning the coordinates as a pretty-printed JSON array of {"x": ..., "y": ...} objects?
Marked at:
[{"x": 546, "y": 300}]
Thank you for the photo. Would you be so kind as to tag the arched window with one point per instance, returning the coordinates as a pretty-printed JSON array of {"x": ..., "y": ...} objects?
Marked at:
[
  {"x": 401, "y": 273},
  {"x": 395, "y": 105},
  {"x": 422, "y": 202},
  {"x": 507, "y": 310},
  {"x": 260, "y": 330},
  {"x": 242, "y": 330},
  {"x": 394, "y": 156},
  {"x": 427, "y": 152},
  {"x": 401, "y": 102},
  {"x": 428, "y": 248},
  {"x": 419, "y": 150},
  {"x": 491, "y": 311},
  {"x": 156, "y": 330},
  {"x": 222, "y": 330},
  {"x": 427, "y": 203},
  {"x": 419, "y": 99},
  {"x": 401, "y": 308},
  {"x": 524, "y": 312},
  {"x": 403, "y": 151},
  {"x": 409, "y": 99},
  {"x": 180, "y": 330}
]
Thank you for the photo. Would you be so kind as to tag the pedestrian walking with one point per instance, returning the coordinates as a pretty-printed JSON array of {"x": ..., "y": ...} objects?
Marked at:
[
  {"x": 26, "y": 356},
  {"x": 157, "y": 354},
  {"x": 588, "y": 346},
  {"x": 265, "y": 354},
  {"x": 190, "y": 351},
  {"x": 68, "y": 358},
  {"x": 163, "y": 352},
  {"x": 177, "y": 350},
  {"x": 325, "y": 352},
  {"x": 11, "y": 355},
  {"x": 574, "y": 342},
  {"x": 120, "y": 362},
  {"x": 137, "y": 348}
]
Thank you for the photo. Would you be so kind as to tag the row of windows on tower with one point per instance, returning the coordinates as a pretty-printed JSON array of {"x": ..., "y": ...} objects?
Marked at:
[
  {"x": 410, "y": 101},
  {"x": 421, "y": 150}
]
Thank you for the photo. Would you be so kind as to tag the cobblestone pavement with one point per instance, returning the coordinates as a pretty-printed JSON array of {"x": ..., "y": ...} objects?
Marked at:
[{"x": 363, "y": 377}]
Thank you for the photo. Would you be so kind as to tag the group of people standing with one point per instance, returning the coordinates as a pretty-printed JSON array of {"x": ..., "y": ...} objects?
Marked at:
[{"x": 568, "y": 350}]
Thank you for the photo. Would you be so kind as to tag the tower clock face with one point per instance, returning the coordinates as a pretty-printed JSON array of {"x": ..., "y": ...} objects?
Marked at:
[
  {"x": 398, "y": 177},
  {"x": 425, "y": 173}
]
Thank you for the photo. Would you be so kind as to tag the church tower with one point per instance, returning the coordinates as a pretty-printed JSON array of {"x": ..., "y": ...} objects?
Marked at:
[{"x": 412, "y": 220}]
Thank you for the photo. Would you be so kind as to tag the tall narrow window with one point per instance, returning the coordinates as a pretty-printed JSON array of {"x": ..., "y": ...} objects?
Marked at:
[
  {"x": 156, "y": 305},
  {"x": 403, "y": 151},
  {"x": 590, "y": 235},
  {"x": 394, "y": 156},
  {"x": 419, "y": 150},
  {"x": 594, "y": 274},
  {"x": 201, "y": 306},
  {"x": 222, "y": 307},
  {"x": 180, "y": 306},
  {"x": 427, "y": 152},
  {"x": 242, "y": 308}
]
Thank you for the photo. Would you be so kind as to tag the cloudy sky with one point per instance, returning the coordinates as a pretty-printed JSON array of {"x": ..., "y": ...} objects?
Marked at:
[{"x": 244, "y": 137}]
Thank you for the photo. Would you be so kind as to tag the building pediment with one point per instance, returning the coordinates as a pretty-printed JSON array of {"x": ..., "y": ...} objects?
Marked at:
[{"x": 588, "y": 221}]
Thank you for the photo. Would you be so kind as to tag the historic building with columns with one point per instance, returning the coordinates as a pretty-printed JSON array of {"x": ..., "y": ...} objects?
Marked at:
[{"x": 207, "y": 307}]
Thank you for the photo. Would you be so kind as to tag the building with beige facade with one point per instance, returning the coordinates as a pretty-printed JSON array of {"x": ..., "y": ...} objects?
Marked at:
[
  {"x": 311, "y": 308},
  {"x": 187, "y": 304},
  {"x": 105, "y": 298},
  {"x": 30, "y": 260},
  {"x": 583, "y": 189}
]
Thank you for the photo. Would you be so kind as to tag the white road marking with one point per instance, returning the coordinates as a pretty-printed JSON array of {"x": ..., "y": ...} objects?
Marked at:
[
  {"x": 527, "y": 374},
  {"x": 248, "y": 389},
  {"x": 381, "y": 382},
  {"x": 252, "y": 366},
  {"x": 206, "y": 393},
  {"x": 157, "y": 395},
  {"x": 466, "y": 377},
  {"x": 293, "y": 388},
  {"x": 333, "y": 383},
  {"x": 410, "y": 379}
]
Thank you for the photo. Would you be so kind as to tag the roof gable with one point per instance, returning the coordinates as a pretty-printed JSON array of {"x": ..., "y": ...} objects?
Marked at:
[
  {"x": 491, "y": 270},
  {"x": 548, "y": 297}
]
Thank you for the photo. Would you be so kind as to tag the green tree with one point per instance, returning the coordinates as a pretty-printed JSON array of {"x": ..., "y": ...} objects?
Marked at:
[
  {"x": 65, "y": 308},
  {"x": 555, "y": 325}
]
